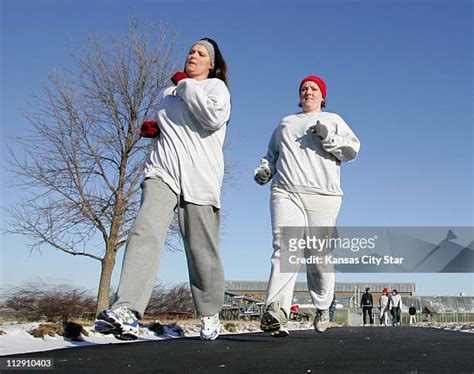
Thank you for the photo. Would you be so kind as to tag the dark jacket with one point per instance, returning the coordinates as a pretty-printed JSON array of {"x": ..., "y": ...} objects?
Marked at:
[
  {"x": 412, "y": 311},
  {"x": 367, "y": 300}
]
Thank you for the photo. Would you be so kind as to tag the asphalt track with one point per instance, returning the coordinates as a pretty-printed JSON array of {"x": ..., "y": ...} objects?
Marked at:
[{"x": 369, "y": 349}]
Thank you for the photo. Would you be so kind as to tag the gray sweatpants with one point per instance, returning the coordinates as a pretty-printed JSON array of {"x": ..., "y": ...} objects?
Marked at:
[
  {"x": 297, "y": 210},
  {"x": 200, "y": 228}
]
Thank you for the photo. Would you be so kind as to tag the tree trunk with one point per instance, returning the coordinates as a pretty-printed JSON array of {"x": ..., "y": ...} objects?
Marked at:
[{"x": 107, "y": 266}]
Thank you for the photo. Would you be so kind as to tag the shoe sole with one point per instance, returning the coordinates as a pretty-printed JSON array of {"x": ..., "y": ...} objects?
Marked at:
[
  {"x": 126, "y": 336},
  {"x": 280, "y": 334},
  {"x": 269, "y": 323},
  {"x": 104, "y": 327},
  {"x": 120, "y": 331}
]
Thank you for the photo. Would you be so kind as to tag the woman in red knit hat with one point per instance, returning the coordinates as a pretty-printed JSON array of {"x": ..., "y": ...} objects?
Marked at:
[
  {"x": 384, "y": 307},
  {"x": 303, "y": 160}
]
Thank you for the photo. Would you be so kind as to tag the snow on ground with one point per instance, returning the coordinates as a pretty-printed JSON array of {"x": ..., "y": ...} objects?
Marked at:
[
  {"x": 467, "y": 327},
  {"x": 17, "y": 339}
]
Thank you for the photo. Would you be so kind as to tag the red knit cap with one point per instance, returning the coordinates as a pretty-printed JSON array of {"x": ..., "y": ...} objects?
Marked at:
[{"x": 318, "y": 81}]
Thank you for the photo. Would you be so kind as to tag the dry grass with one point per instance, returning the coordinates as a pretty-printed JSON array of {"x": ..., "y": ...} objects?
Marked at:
[
  {"x": 39, "y": 301},
  {"x": 43, "y": 302},
  {"x": 44, "y": 329},
  {"x": 230, "y": 327},
  {"x": 13, "y": 319},
  {"x": 70, "y": 330}
]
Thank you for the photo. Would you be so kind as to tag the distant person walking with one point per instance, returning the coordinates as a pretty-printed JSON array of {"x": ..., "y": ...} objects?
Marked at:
[
  {"x": 367, "y": 303},
  {"x": 396, "y": 308},
  {"x": 384, "y": 307},
  {"x": 412, "y": 313},
  {"x": 303, "y": 159}
]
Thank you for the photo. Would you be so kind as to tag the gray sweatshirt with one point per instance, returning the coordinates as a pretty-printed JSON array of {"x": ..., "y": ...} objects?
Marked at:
[
  {"x": 384, "y": 303},
  {"x": 397, "y": 301},
  {"x": 300, "y": 162},
  {"x": 188, "y": 155}
]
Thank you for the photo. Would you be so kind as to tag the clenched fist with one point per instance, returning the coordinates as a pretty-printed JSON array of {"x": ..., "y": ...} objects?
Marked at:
[
  {"x": 262, "y": 176},
  {"x": 149, "y": 129}
]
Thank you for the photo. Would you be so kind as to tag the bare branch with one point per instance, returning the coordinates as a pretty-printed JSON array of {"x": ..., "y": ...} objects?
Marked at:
[{"x": 82, "y": 159}]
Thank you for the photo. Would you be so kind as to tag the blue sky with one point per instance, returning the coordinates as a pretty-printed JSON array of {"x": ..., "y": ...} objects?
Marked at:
[{"x": 399, "y": 73}]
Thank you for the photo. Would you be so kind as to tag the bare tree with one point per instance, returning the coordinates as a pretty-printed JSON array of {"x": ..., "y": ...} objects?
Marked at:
[
  {"x": 180, "y": 299},
  {"x": 158, "y": 300},
  {"x": 82, "y": 160}
]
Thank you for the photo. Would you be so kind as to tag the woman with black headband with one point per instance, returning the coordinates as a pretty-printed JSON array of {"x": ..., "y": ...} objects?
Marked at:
[{"x": 184, "y": 171}]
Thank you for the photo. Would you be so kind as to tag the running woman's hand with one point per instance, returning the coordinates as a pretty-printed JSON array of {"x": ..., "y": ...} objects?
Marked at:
[
  {"x": 149, "y": 129},
  {"x": 180, "y": 75},
  {"x": 262, "y": 176},
  {"x": 320, "y": 130}
]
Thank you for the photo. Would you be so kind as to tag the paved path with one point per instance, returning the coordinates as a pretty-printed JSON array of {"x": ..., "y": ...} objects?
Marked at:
[{"x": 370, "y": 349}]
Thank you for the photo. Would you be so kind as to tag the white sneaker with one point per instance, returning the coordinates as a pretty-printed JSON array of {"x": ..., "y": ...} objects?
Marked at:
[
  {"x": 210, "y": 327},
  {"x": 122, "y": 322}
]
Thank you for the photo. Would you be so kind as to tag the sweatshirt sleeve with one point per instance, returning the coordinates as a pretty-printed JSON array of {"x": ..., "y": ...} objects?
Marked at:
[
  {"x": 270, "y": 159},
  {"x": 209, "y": 104},
  {"x": 341, "y": 142}
]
